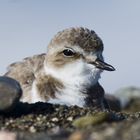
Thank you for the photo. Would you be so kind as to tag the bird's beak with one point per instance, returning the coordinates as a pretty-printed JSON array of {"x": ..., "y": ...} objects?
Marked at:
[{"x": 102, "y": 65}]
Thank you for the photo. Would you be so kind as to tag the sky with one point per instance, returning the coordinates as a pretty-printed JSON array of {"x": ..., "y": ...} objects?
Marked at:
[{"x": 27, "y": 26}]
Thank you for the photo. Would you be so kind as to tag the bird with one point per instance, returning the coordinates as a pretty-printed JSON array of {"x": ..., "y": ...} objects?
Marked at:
[{"x": 68, "y": 73}]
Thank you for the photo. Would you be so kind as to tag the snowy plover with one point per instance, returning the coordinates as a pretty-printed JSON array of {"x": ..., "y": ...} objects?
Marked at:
[{"x": 67, "y": 74}]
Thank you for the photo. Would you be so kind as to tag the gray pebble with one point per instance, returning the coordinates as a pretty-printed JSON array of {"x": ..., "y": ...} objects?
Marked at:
[
  {"x": 126, "y": 94},
  {"x": 10, "y": 93}
]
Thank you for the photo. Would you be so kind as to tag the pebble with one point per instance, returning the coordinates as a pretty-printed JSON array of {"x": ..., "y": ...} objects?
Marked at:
[
  {"x": 126, "y": 94},
  {"x": 55, "y": 120},
  {"x": 32, "y": 129},
  {"x": 10, "y": 93},
  {"x": 70, "y": 119},
  {"x": 7, "y": 136}
]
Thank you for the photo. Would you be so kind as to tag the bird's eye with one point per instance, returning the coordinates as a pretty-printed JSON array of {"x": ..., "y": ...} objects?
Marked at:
[{"x": 68, "y": 52}]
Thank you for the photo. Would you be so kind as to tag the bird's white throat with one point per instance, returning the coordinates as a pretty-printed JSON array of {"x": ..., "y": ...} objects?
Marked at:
[{"x": 76, "y": 73}]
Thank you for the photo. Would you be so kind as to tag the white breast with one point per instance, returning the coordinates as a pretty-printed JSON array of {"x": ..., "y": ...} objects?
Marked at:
[
  {"x": 76, "y": 77},
  {"x": 69, "y": 97}
]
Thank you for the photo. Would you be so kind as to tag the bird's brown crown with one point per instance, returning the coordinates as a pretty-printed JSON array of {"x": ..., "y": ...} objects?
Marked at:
[{"x": 83, "y": 37}]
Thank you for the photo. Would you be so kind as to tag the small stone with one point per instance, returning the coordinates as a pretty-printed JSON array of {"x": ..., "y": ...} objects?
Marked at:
[
  {"x": 90, "y": 120},
  {"x": 38, "y": 119},
  {"x": 32, "y": 129},
  {"x": 70, "y": 118},
  {"x": 10, "y": 93},
  {"x": 54, "y": 119},
  {"x": 76, "y": 136},
  {"x": 7, "y": 135},
  {"x": 125, "y": 95}
]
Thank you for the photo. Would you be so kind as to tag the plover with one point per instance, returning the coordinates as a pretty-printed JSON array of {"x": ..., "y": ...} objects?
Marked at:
[{"x": 67, "y": 74}]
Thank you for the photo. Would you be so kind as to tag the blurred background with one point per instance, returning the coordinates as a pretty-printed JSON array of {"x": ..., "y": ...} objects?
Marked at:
[{"x": 26, "y": 27}]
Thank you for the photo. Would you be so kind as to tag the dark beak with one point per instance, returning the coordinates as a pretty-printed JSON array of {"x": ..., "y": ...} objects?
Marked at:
[{"x": 102, "y": 65}]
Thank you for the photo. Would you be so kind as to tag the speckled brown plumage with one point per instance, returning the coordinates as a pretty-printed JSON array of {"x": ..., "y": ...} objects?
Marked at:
[
  {"x": 83, "y": 37},
  {"x": 25, "y": 72},
  {"x": 47, "y": 86}
]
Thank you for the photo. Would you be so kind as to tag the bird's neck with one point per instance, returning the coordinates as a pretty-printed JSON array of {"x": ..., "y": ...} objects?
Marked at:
[{"x": 76, "y": 78}]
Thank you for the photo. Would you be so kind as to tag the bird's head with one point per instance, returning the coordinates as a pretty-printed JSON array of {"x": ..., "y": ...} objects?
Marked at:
[{"x": 76, "y": 51}]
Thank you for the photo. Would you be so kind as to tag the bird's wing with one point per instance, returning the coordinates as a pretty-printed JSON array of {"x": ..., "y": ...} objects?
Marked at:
[{"x": 24, "y": 71}]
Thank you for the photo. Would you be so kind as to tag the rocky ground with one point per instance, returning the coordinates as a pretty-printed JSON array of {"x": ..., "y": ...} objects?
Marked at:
[{"x": 43, "y": 121}]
